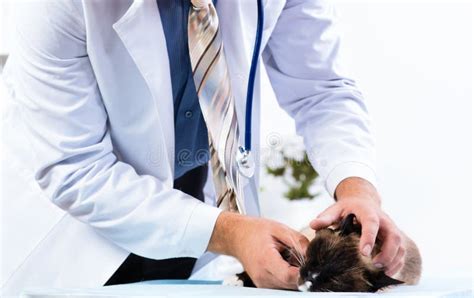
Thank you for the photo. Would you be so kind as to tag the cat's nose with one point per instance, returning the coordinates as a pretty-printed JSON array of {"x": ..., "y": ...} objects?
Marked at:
[{"x": 306, "y": 286}]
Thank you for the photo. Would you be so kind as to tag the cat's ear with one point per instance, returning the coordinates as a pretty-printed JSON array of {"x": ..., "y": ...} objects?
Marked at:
[
  {"x": 349, "y": 225},
  {"x": 381, "y": 280}
]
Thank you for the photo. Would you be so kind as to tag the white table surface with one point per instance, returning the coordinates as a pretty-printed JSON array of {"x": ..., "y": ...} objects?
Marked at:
[{"x": 433, "y": 287}]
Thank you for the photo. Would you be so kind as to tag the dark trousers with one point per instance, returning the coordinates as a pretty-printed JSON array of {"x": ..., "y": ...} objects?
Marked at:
[{"x": 136, "y": 268}]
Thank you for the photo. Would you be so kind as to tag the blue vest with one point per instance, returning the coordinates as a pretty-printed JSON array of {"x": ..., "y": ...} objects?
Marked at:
[{"x": 191, "y": 139}]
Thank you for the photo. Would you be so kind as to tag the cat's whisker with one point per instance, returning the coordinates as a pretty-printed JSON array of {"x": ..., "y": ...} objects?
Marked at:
[
  {"x": 299, "y": 258},
  {"x": 302, "y": 258},
  {"x": 293, "y": 252},
  {"x": 296, "y": 250}
]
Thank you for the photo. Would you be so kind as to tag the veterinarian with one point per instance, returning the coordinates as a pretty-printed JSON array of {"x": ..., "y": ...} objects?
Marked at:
[{"x": 124, "y": 129}]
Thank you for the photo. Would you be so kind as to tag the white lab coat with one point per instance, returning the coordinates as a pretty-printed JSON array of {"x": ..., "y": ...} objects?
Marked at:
[{"x": 88, "y": 135}]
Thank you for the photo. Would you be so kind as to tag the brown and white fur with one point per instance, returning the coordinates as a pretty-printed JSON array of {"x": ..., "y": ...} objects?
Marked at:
[{"x": 333, "y": 262}]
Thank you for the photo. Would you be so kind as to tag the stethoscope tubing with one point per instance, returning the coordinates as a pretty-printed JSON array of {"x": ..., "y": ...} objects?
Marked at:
[{"x": 252, "y": 76}]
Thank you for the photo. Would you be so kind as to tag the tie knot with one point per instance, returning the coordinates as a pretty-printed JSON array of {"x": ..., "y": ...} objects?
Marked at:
[{"x": 200, "y": 4}]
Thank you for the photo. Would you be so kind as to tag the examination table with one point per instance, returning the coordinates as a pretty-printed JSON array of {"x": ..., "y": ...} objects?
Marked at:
[{"x": 428, "y": 287}]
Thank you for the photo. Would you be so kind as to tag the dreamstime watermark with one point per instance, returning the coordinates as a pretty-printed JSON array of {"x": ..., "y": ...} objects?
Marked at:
[
  {"x": 276, "y": 151},
  {"x": 281, "y": 150},
  {"x": 156, "y": 156},
  {"x": 187, "y": 158}
]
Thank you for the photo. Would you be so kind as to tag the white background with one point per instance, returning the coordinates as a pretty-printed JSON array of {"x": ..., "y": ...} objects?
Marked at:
[{"x": 412, "y": 60}]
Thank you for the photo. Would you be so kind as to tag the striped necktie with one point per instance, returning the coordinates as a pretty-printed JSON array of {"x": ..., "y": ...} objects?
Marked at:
[{"x": 211, "y": 78}]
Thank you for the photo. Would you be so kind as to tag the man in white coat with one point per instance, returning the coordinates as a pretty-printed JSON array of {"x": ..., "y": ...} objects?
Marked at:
[{"x": 100, "y": 100}]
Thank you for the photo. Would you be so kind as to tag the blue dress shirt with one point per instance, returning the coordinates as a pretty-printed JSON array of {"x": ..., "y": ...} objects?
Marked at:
[{"x": 191, "y": 139}]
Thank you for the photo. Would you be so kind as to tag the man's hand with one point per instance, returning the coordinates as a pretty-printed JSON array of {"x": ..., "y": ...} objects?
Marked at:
[
  {"x": 257, "y": 243},
  {"x": 356, "y": 195}
]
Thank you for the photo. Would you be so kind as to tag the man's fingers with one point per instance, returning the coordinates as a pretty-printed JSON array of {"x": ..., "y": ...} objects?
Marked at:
[
  {"x": 370, "y": 227},
  {"x": 290, "y": 278},
  {"x": 390, "y": 247},
  {"x": 328, "y": 217},
  {"x": 394, "y": 270},
  {"x": 286, "y": 274},
  {"x": 292, "y": 239},
  {"x": 396, "y": 261}
]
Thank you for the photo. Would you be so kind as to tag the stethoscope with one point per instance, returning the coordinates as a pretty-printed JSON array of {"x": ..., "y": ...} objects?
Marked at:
[{"x": 244, "y": 158}]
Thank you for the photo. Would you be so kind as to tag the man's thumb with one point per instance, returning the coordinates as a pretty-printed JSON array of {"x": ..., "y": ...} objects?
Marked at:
[{"x": 326, "y": 218}]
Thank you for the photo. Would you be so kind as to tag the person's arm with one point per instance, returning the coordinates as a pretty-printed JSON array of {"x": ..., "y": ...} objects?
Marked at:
[
  {"x": 303, "y": 63},
  {"x": 65, "y": 124}
]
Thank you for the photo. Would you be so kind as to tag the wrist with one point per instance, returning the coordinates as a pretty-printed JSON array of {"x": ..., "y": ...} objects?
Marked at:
[
  {"x": 225, "y": 235},
  {"x": 355, "y": 187}
]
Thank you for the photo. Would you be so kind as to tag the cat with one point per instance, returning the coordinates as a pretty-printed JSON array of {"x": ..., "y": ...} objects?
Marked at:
[{"x": 333, "y": 262}]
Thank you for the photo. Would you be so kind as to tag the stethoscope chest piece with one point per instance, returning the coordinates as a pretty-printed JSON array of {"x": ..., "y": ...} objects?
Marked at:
[{"x": 245, "y": 162}]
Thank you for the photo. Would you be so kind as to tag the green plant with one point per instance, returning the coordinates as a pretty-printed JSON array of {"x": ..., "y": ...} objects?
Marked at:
[{"x": 303, "y": 175}]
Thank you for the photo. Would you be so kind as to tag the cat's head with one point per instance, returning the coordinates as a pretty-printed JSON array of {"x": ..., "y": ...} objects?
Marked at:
[{"x": 334, "y": 263}]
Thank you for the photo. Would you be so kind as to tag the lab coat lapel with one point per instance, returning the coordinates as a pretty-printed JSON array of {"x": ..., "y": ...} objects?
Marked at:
[{"x": 141, "y": 32}]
